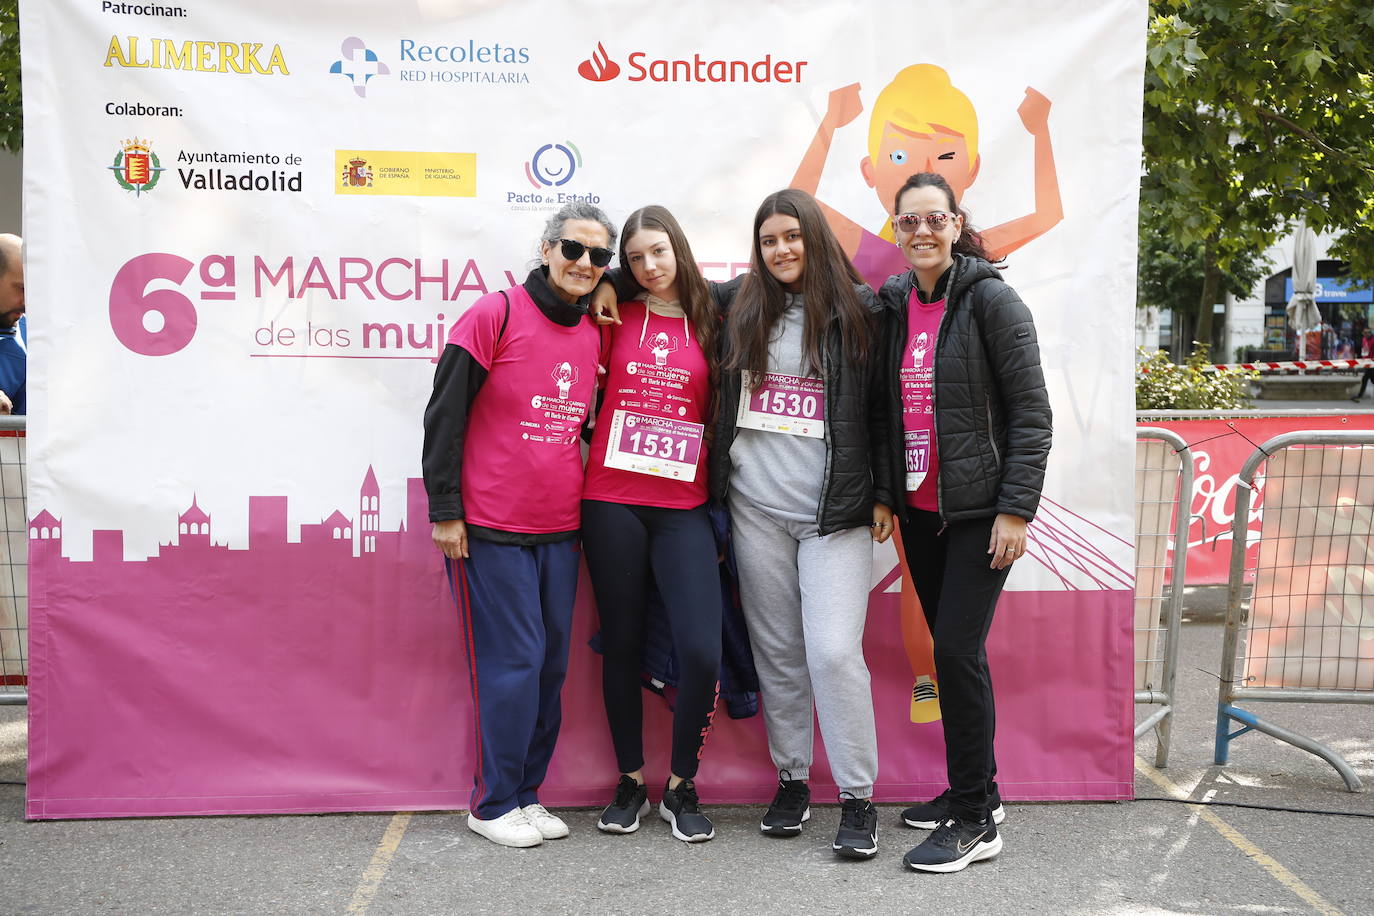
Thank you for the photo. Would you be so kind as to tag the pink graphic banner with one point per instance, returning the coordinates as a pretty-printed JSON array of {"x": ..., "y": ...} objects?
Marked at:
[{"x": 249, "y": 681}]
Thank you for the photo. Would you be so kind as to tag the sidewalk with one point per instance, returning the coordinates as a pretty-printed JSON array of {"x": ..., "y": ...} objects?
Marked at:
[{"x": 1131, "y": 857}]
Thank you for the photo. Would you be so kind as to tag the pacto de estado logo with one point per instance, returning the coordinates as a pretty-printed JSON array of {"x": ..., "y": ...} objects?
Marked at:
[
  {"x": 359, "y": 64},
  {"x": 600, "y": 68},
  {"x": 553, "y": 164},
  {"x": 136, "y": 167}
]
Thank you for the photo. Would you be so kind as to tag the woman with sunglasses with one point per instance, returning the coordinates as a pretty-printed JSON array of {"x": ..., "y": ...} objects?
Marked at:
[
  {"x": 503, "y": 470},
  {"x": 798, "y": 456},
  {"x": 644, "y": 519},
  {"x": 970, "y": 436}
]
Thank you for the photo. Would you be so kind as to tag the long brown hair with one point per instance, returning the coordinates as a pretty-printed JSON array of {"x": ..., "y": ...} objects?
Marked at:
[
  {"x": 827, "y": 284},
  {"x": 693, "y": 293}
]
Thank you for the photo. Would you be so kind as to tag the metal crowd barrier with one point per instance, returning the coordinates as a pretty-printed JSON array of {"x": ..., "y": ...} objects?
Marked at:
[
  {"x": 1163, "y": 496},
  {"x": 14, "y": 565},
  {"x": 1306, "y": 632}
]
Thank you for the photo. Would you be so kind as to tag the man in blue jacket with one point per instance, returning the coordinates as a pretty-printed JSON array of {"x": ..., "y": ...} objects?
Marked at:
[{"x": 14, "y": 335}]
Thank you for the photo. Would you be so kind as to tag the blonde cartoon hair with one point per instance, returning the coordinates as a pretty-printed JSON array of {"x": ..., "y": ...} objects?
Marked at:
[{"x": 917, "y": 97}]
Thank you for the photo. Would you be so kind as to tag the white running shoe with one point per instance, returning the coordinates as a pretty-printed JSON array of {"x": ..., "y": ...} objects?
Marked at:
[
  {"x": 510, "y": 829},
  {"x": 550, "y": 826}
]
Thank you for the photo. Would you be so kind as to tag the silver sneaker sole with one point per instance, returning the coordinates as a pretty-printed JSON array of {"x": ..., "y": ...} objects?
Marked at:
[
  {"x": 619, "y": 828},
  {"x": 999, "y": 814},
  {"x": 978, "y": 853},
  {"x": 851, "y": 852},
  {"x": 667, "y": 815},
  {"x": 785, "y": 831}
]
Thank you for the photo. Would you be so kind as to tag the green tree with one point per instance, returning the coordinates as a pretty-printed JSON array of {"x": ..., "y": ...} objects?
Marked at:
[
  {"x": 1170, "y": 274},
  {"x": 1259, "y": 113},
  {"x": 11, "y": 96}
]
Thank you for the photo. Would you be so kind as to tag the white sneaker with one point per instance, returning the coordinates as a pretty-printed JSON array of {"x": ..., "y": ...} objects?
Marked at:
[
  {"x": 550, "y": 826},
  {"x": 510, "y": 829}
]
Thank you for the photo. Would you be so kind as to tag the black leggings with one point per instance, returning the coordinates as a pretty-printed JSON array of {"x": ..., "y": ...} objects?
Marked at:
[
  {"x": 628, "y": 548},
  {"x": 959, "y": 593}
]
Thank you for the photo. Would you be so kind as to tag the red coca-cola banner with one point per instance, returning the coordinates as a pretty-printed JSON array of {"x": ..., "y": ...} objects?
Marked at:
[{"x": 1219, "y": 448}]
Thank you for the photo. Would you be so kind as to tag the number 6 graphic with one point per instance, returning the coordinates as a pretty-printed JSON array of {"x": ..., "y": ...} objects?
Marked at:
[{"x": 130, "y": 302}]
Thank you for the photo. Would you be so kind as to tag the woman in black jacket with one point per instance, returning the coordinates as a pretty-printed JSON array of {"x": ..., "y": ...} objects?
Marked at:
[
  {"x": 799, "y": 457},
  {"x": 969, "y": 435}
]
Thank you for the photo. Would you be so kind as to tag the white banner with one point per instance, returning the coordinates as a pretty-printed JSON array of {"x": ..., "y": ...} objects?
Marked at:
[{"x": 248, "y": 233}]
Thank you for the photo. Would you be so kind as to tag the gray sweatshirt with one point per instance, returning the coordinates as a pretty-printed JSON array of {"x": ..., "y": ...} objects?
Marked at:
[{"x": 781, "y": 472}]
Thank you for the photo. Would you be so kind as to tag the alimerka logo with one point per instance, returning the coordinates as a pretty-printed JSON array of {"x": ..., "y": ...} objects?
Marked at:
[
  {"x": 599, "y": 68},
  {"x": 136, "y": 167},
  {"x": 209, "y": 56}
]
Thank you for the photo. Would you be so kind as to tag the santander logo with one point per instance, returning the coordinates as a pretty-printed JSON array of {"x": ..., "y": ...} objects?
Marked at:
[
  {"x": 599, "y": 67},
  {"x": 644, "y": 68}
]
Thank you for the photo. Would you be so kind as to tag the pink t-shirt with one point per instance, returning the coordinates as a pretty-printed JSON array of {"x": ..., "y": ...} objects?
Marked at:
[
  {"x": 917, "y": 376},
  {"x": 648, "y": 447},
  {"x": 522, "y": 464}
]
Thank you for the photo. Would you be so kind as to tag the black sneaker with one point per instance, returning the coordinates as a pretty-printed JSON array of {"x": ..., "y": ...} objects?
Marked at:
[
  {"x": 858, "y": 834},
  {"x": 929, "y": 815},
  {"x": 954, "y": 844},
  {"x": 679, "y": 808},
  {"x": 623, "y": 813},
  {"x": 790, "y": 809}
]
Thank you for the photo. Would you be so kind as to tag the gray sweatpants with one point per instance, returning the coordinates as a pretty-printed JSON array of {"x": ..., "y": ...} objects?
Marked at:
[{"x": 805, "y": 601}]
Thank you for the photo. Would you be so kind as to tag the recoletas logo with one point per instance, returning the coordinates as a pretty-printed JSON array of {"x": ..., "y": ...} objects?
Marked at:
[
  {"x": 359, "y": 64},
  {"x": 600, "y": 68}
]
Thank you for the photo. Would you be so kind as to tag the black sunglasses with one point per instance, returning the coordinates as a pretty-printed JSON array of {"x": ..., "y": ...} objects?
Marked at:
[{"x": 573, "y": 250}]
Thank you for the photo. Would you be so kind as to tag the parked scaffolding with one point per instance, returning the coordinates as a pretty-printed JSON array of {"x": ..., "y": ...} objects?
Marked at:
[
  {"x": 1300, "y": 616},
  {"x": 1163, "y": 491}
]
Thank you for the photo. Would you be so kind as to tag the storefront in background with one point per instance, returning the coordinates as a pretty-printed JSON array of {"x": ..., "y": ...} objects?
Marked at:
[{"x": 1346, "y": 306}]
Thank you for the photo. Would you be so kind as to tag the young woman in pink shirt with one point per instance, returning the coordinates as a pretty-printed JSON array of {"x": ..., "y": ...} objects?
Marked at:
[{"x": 644, "y": 519}]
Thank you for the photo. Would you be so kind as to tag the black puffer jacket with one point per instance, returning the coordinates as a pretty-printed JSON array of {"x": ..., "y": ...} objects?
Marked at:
[
  {"x": 992, "y": 412},
  {"x": 856, "y": 456}
]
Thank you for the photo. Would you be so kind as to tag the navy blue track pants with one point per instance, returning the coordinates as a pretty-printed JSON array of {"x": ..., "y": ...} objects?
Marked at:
[{"x": 515, "y": 605}]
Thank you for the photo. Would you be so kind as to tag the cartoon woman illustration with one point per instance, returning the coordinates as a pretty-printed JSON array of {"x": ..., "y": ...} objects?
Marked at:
[
  {"x": 565, "y": 376},
  {"x": 922, "y": 123},
  {"x": 919, "y": 349},
  {"x": 661, "y": 345}
]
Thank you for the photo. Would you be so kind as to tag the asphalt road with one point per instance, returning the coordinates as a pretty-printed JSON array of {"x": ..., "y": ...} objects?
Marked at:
[{"x": 1071, "y": 858}]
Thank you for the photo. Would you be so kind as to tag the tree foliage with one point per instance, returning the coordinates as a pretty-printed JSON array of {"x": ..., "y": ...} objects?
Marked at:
[
  {"x": 11, "y": 97},
  {"x": 1259, "y": 113},
  {"x": 1170, "y": 272}
]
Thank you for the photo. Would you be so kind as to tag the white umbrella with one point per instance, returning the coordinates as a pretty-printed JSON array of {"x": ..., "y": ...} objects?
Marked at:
[{"x": 1303, "y": 314}]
